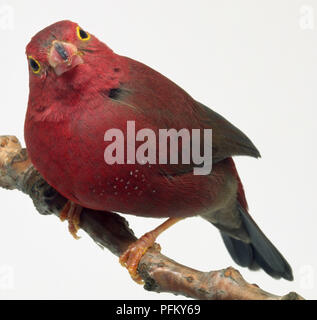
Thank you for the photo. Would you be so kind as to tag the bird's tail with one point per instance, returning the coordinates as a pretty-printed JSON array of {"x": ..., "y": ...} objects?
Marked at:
[{"x": 259, "y": 252}]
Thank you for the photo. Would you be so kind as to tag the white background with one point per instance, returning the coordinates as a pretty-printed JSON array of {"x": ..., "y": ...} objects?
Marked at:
[{"x": 252, "y": 61}]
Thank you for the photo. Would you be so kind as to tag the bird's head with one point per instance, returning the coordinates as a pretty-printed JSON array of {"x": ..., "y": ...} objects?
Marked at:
[
  {"x": 61, "y": 48},
  {"x": 66, "y": 63}
]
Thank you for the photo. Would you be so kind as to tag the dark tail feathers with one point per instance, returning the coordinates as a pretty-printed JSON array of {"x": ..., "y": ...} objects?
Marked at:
[{"x": 259, "y": 253}]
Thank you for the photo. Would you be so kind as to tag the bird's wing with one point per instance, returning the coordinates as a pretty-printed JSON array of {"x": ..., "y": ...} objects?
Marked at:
[
  {"x": 165, "y": 105},
  {"x": 227, "y": 140}
]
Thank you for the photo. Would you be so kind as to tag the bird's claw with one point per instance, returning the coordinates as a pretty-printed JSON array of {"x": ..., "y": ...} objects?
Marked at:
[
  {"x": 130, "y": 259},
  {"x": 71, "y": 212}
]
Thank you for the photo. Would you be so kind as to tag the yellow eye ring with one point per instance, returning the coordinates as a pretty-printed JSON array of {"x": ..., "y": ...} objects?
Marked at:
[
  {"x": 34, "y": 64},
  {"x": 82, "y": 35}
]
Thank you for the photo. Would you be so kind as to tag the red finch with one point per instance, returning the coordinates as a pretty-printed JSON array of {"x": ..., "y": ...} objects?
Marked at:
[{"x": 79, "y": 88}]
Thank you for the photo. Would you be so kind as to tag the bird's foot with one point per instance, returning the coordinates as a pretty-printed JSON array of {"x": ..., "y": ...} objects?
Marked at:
[
  {"x": 71, "y": 212},
  {"x": 132, "y": 256}
]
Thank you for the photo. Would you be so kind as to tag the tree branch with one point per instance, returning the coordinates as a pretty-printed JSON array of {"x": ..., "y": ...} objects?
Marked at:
[{"x": 111, "y": 231}]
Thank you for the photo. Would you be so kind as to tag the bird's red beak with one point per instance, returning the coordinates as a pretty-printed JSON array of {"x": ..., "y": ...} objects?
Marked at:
[{"x": 63, "y": 56}]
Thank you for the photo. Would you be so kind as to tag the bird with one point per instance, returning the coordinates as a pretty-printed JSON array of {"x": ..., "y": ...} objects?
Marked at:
[{"x": 78, "y": 89}]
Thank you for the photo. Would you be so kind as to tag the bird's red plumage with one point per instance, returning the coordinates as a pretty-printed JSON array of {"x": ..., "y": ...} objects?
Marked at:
[
  {"x": 67, "y": 118},
  {"x": 69, "y": 112}
]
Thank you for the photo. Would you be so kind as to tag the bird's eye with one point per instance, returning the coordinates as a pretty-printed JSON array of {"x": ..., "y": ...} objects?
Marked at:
[
  {"x": 82, "y": 35},
  {"x": 35, "y": 65}
]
